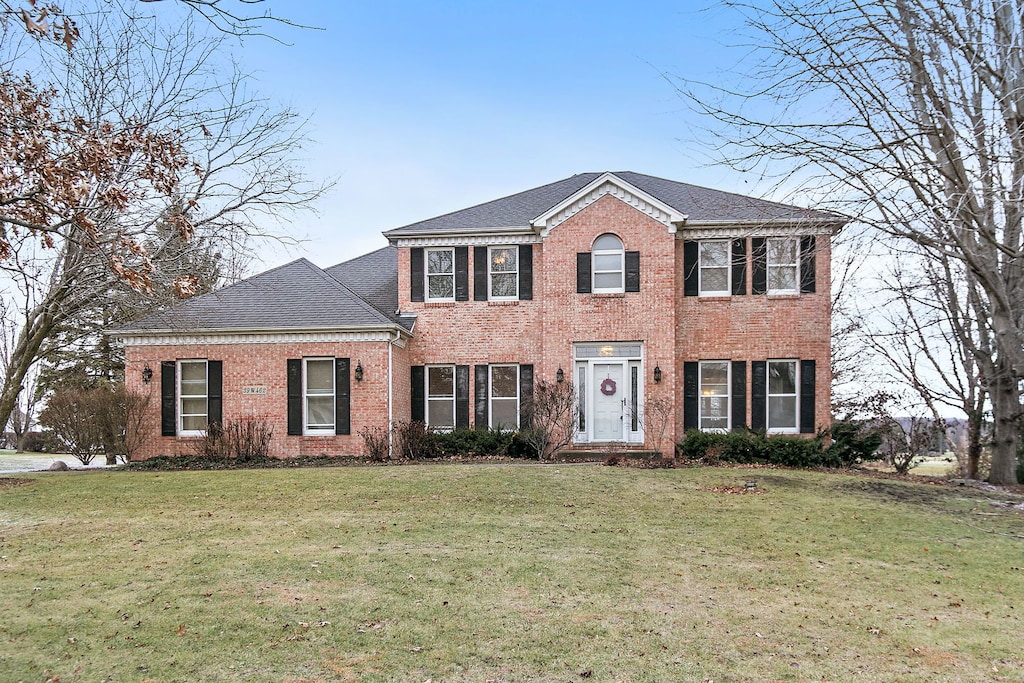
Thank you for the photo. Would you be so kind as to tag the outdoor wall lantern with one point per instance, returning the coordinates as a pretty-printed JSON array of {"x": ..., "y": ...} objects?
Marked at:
[
  {"x": 560, "y": 375},
  {"x": 147, "y": 374},
  {"x": 359, "y": 371},
  {"x": 657, "y": 373}
]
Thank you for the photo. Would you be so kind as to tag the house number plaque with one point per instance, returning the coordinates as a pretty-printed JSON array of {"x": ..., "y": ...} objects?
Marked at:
[{"x": 254, "y": 391}]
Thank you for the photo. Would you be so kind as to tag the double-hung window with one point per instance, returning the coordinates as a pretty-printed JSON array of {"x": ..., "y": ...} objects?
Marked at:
[
  {"x": 440, "y": 411},
  {"x": 714, "y": 395},
  {"x": 318, "y": 383},
  {"x": 193, "y": 405},
  {"x": 504, "y": 393},
  {"x": 440, "y": 274},
  {"x": 714, "y": 267},
  {"x": 608, "y": 264},
  {"x": 783, "y": 265},
  {"x": 782, "y": 395},
  {"x": 503, "y": 273}
]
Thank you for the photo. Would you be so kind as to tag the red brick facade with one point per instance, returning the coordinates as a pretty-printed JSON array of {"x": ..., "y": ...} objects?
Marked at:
[{"x": 558, "y": 328}]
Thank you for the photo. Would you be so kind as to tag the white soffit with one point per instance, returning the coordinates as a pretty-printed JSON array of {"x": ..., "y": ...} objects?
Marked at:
[{"x": 608, "y": 183}]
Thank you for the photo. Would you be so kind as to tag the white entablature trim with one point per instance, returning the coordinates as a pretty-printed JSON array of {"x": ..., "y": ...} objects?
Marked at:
[
  {"x": 762, "y": 229},
  {"x": 184, "y": 338},
  {"x": 609, "y": 184},
  {"x": 456, "y": 240}
]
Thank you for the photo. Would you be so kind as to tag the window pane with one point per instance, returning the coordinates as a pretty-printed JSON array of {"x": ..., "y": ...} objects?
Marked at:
[
  {"x": 607, "y": 242},
  {"x": 783, "y": 277},
  {"x": 320, "y": 411},
  {"x": 782, "y": 378},
  {"x": 193, "y": 371},
  {"x": 714, "y": 254},
  {"x": 782, "y": 252},
  {"x": 714, "y": 279},
  {"x": 782, "y": 412},
  {"x": 441, "y": 381},
  {"x": 713, "y": 376},
  {"x": 319, "y": 376},
  {"x": 607, "y": 262},
  {"x": 440, "y": 287},
  {"x": 504, "y": 413},
  {"x": 504, "y": 284},
  {"x": 193, "y": 423},
  {"x": 194, "y": 406},
  {"x": 504, "y": 381},
  {"x": 441, "y": 413},
  {"x": 503, "y": 260},
  {"x": 441, "y": 261},
  {"x": 608, "y": 280}
]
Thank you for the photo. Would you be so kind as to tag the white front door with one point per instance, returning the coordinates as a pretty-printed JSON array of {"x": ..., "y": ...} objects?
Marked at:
[{"x": 609, "y": 401}]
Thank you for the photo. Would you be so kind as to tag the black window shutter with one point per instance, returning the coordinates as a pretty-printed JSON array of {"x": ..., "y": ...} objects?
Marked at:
[
  {"x": 739, "y": 394},
  {"x": 691, "y": 408},
  {"x": 691, "y": 278},
  {"x": 632, "y": 271},
  {"x": 583, "y": 272},
  {"x": 462, "y": 273},
  {"x": 526, "y": 272},
  {"x": 214, "y": 391},
  {"x": 461, "y": 396},
  {"x": 481, "y": 395},
  {"x": 807, "y": 264},
  {"x": 417, "y": 379},
  {"x": 759, "y": 271},
  {"x": 480, "y": 265},
  {"x": 416, "y": 274},
  {"x": 168, "y": 399},
  {"x": 294, "y": 397},
  {"x": 739, "y": 267},
  {"x": 807, "y": 397},
  {"x": 525, "y": 395},
  {"x": 758, "y": 395},
  {"x": 342, "y": 396}
]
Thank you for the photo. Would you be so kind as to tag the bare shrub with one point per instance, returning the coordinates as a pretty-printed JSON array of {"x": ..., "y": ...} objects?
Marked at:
[
  {"x": 413, "y": 439},
  {"x": 245, "y": 440},
  {"x": 375, "y": 443},
  {"x": 551, "y": 412},
  {"x": 73, "y": 426}
]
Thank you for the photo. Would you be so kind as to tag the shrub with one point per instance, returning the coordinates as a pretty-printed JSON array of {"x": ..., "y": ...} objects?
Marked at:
[
  {"x": 749, "y": 447},
  {"x": 375, "y": 443},
  {"x": 246, "y": 440},
  {"x": 413, "y": 440},
  {"x": 33, "y": 442},
  {"x": 852, "y": 442}
]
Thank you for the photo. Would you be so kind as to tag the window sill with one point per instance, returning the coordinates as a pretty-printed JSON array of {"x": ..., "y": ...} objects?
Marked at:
[
  {"x": 509, "y": 302},
  {"x": 783, "y": 295},
  {"x": 608, "y": 295}
]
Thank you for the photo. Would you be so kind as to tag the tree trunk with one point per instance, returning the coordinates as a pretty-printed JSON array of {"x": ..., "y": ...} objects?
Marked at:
[
  {"x": 1005, "y": 435},
  {"x": 38, "y": 326},
  {"x": 974, "y": 423}
]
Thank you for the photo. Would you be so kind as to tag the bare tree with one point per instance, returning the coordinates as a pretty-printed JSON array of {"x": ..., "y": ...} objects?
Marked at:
[
  {"x": 138, "y": 105},
  {"x": 552, "y": 411},
  {"x": 910, "y": 114}
]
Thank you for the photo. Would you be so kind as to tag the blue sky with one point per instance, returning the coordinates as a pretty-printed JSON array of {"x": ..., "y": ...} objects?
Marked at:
[{"x": 418, "y": 109}]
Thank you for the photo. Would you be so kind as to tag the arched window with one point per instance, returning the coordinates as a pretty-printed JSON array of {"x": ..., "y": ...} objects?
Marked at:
[{"x": 608, "y": 264}]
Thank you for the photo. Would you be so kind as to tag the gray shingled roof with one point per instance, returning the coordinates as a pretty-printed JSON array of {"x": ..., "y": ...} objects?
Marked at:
[
  {"x": 374, "y": 277},
  {"x": 699, "y": 204},
  {"x": 297, "y": 295}
]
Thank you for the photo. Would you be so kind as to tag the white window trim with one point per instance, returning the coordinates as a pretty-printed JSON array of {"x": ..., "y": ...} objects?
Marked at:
[
  {"x": 491, "y": 273},
  {"x": 728, "y": 270},
  {"x": 428, "y": 275},
  {"x": 728, "y": 397},
  {"x": 491, "y": 397},
  {"x": 769, "y": 265},
  {"x": 318, "y": 431},
  {"x": 795, "y": 429},
  {"x": 427, "y": 399},
  {"x": 180, "y": 407},
  {"x": 621, "y": 270}
]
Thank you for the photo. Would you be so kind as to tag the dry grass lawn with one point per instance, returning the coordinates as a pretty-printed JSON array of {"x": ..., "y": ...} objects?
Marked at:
[{"x": 506, "y": 573}]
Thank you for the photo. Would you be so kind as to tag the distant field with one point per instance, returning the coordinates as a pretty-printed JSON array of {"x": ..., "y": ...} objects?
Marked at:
[{"x": 506, "y": 573}]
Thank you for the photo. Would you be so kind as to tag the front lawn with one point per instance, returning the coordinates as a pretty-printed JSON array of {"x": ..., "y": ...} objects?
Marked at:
[{"x": 506, "y": 573}]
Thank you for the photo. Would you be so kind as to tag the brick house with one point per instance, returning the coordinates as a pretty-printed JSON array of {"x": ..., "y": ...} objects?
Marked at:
[{"x": 631, "y": 287}]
